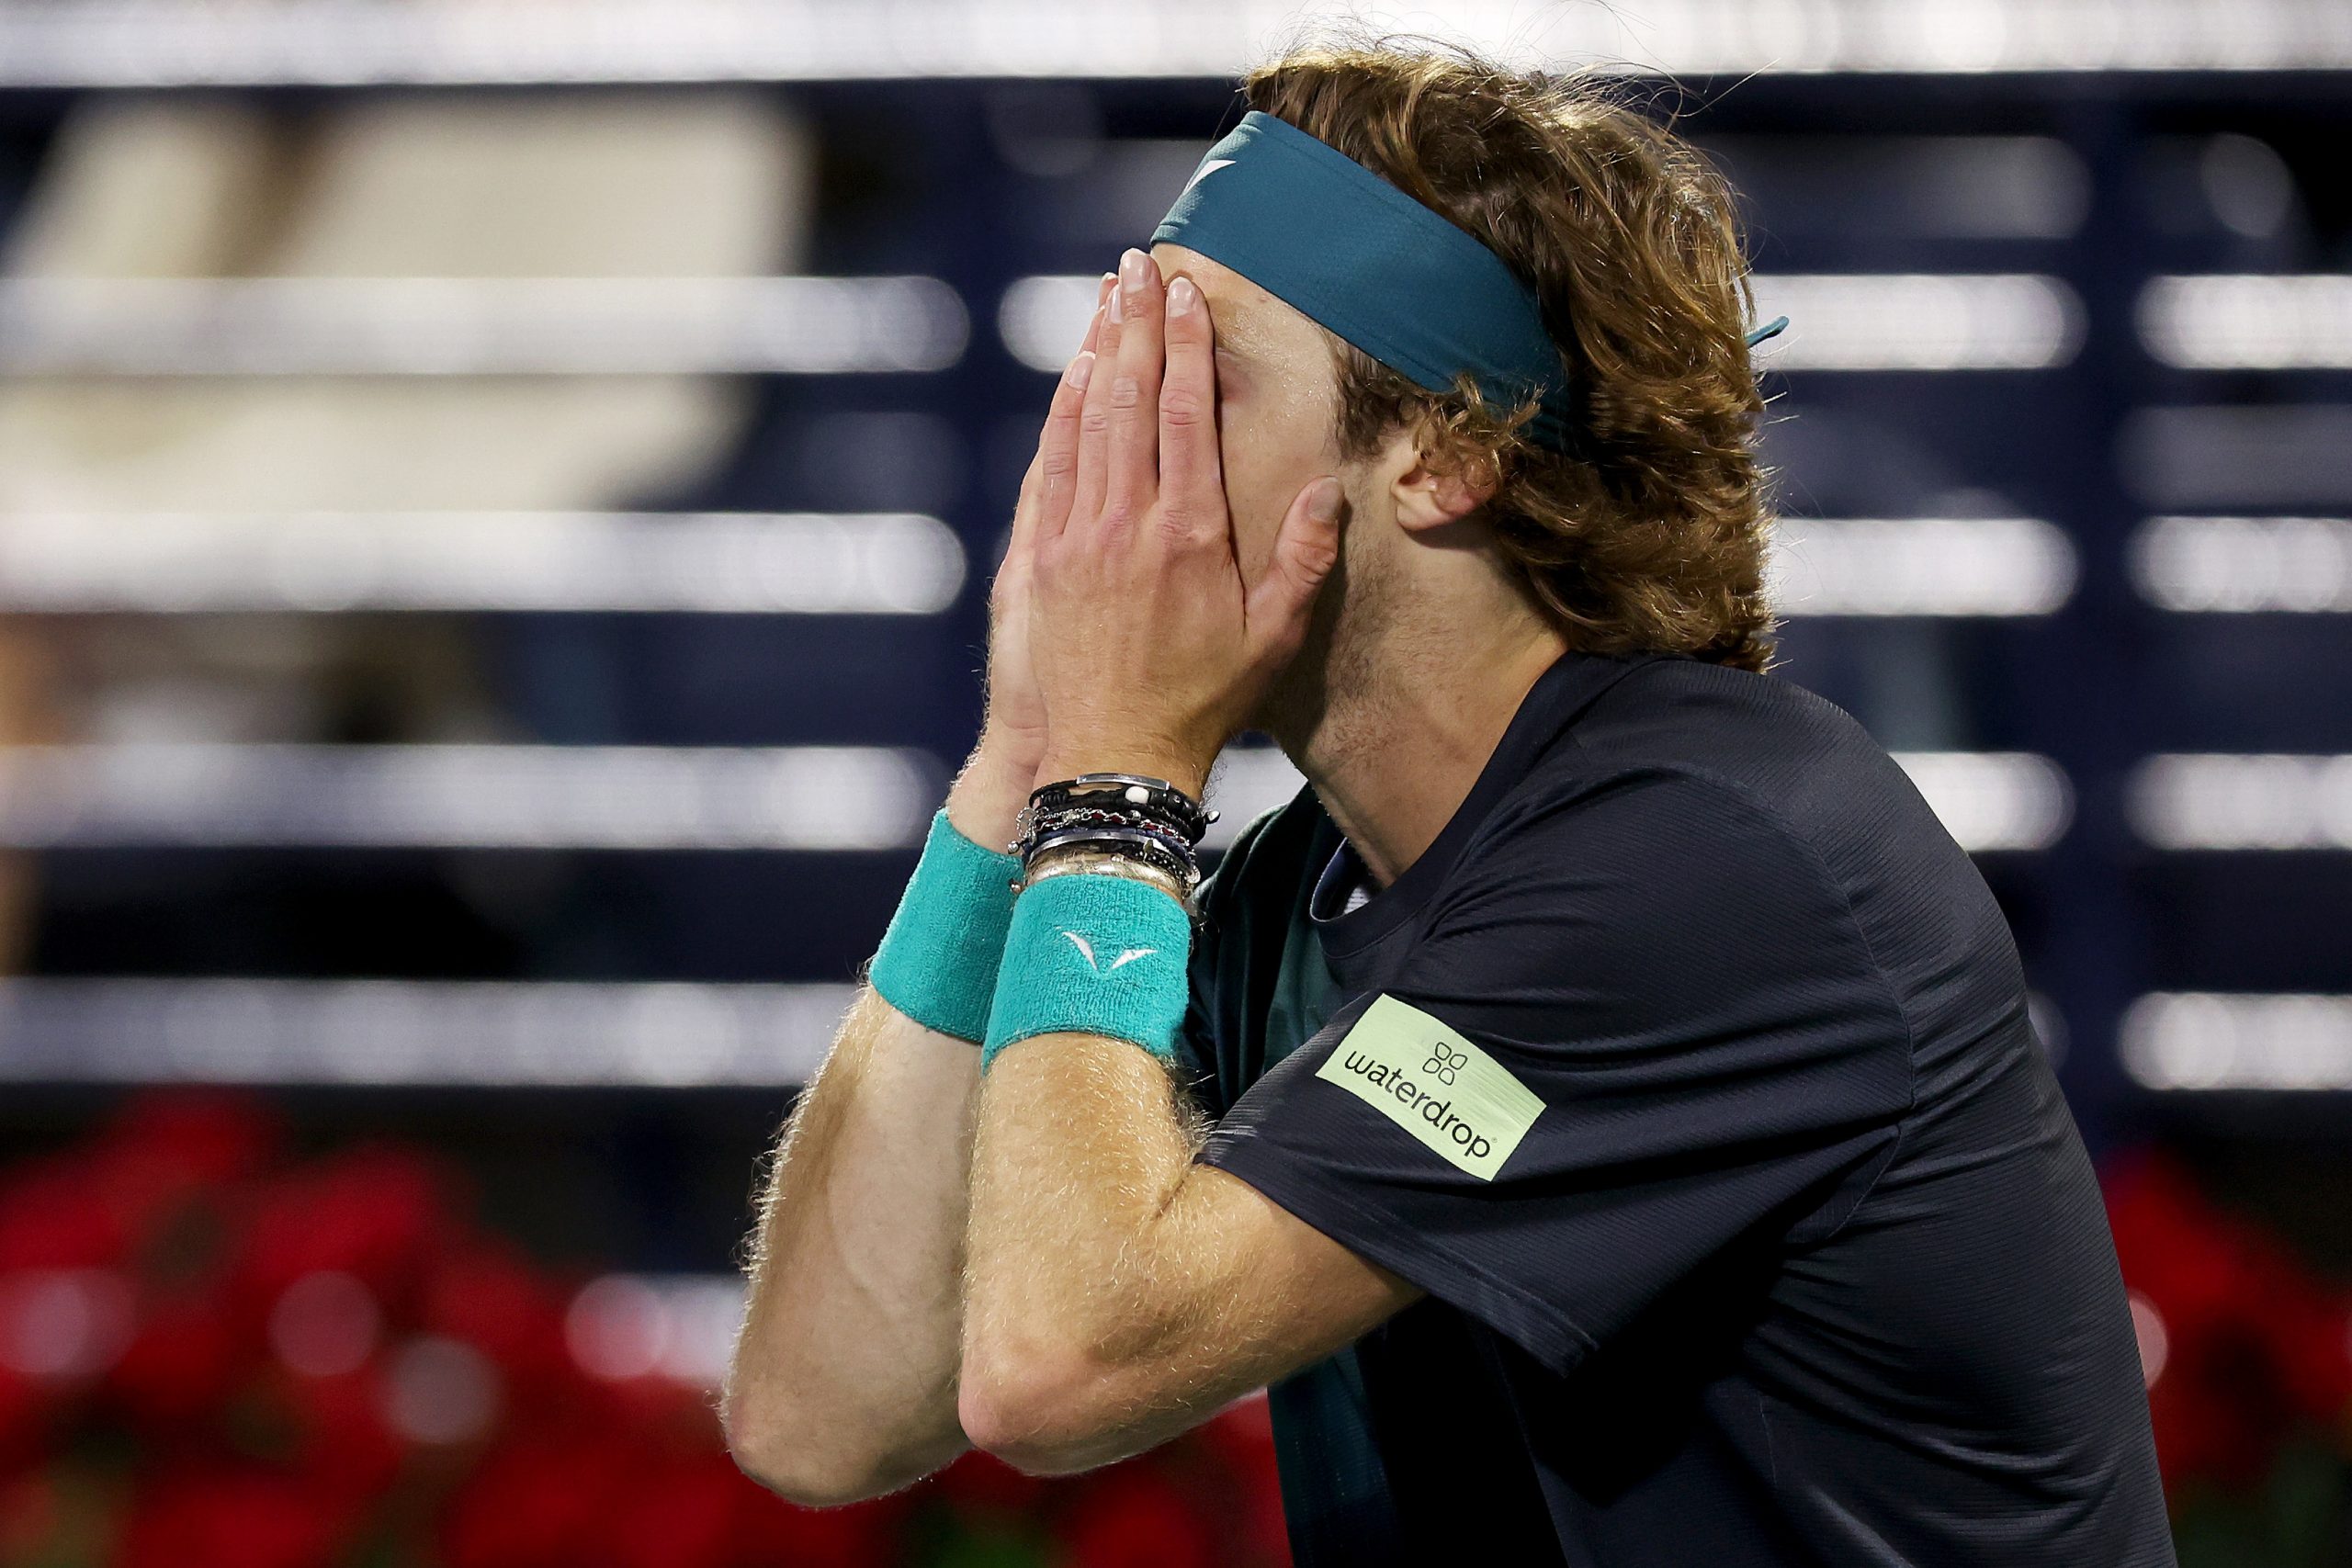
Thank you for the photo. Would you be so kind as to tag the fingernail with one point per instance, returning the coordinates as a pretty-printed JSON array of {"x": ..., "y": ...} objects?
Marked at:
[
  {"x": 1132, "y": 264},
  {"x": 1081, "y": 371},
  {"x": 1114, "y": 305},
  {"x": 1182, "y": 296},
  {"x": 1323, "y": 504}
]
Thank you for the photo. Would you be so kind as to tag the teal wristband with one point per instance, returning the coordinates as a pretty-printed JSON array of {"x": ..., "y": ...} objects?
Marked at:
[
  {"x": 937, "y": 962},
  {"x": 1095, "y": 953}
]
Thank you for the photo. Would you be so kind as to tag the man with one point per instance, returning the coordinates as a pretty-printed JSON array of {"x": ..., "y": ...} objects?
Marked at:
[{"x": 1603, "y": 1112}]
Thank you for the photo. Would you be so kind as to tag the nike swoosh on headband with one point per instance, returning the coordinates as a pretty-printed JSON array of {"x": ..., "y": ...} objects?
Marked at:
[{"x": 1210, "y": 167}]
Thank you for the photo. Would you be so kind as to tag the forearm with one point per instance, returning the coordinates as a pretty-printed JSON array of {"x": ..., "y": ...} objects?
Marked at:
[
  {"x": 1072, "y": 1161},
  {"x": 845, "y": 1375},
  {"x": 1077, "y": 1260},
  {"x": 1119, "y": 1291}
]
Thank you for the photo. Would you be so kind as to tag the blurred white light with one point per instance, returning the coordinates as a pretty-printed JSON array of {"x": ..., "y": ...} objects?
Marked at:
[
  {"x": 2263, "y": 801},
  {"x": 441, "y": 1391},
  {"x": 62, "y": 1324},
  {"x": 812, "y": 797},
  {"x": 1919, "y": 566},
  {"x": 141, "y": 43},
  {"x": 452, "y": 797},
  {"x": 2244, "y": 564},
  {"x": 1918, "y": 322},
  {"x": 1993, "y": 800},
  {"x": 706, "y": 1314},
  {"x": 2156, "y": 1344},
  {"x": 2256, "y": 322},
  {"x": 325, "y": 1324},
  {"x": 1836, "y": 321},
  {"x": 749, "y": 563},
  {"x": 360, "y": 1033},
  {"x": 681, "y": 1327},
  {"x": 478, "y": 326},
  {"x": 2215, "y": 1039},
  {"x": 1042, "y": 320},
  {"x": 1245, "y": 781},
  {"x": 616, "y": 1328}
]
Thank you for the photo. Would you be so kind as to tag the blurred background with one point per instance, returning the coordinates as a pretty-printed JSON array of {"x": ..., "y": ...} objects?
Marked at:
[{"x": 496, "y": 505}]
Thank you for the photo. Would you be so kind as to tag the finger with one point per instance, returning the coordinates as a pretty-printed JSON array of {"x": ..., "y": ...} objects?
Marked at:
[
  {"x": 1192, "y": 478},
  {"x": 1056, "y": 445},
  {"x": 1102, "y": 286},
  {"x": 1274, "y": 615},
  {"x": 1058, "y": 457},
  {"x": 1094, "y": 420},
  {"x": 1131, "y": 462}
]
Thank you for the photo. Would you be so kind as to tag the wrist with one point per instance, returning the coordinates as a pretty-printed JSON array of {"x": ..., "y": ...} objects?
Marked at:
[
  {"x": 985, "y": 801},
  {"x": 1186, "y": 772},
  {"x": 938, "y": 961},
  {"x": 1086, "y": 859},
  {"x": 1128, "y": 979}
]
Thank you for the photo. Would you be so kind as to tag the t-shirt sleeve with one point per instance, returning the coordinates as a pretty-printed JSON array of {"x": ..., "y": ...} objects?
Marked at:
[
  {"x": 1640, "y": 1027},
  {"x": 1194, "y": 1058}
]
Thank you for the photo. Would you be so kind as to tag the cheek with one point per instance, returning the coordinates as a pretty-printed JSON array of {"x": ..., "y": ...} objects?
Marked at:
[{"x": 1268, "y": 460}]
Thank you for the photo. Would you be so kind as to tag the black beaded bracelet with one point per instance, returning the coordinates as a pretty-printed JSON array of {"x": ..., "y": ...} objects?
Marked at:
[
  {"x": 1129, "y": 842},
  {"x": 1102, "y": 857},
  {"x": 1123, "y": 816},
  {"x": 1156, "y": 798}
]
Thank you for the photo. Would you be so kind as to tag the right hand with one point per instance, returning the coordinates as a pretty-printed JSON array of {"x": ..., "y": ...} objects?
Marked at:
[{"x": 1016, "y": 711}]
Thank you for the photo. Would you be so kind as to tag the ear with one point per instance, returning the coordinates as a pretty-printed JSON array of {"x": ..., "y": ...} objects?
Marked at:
[{"x": 1427, "y": 497}]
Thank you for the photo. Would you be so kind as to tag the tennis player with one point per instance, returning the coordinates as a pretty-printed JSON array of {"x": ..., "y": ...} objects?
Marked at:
[{"x": 1601, "y": 1106}]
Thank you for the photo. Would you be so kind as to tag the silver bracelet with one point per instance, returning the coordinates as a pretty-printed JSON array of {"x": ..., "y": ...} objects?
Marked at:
[{"x": 1068, "y": 862}]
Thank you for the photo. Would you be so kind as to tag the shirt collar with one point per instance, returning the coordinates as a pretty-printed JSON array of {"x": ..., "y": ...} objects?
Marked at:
[{"x": 1565, "y": 688}]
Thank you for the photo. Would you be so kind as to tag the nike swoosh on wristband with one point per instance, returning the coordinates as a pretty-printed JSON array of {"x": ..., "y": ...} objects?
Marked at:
[{"x": 1086, "y": 947}]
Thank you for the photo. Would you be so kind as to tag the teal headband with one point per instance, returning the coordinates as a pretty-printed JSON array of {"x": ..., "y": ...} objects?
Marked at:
[{"x": 1318, "y": 231}]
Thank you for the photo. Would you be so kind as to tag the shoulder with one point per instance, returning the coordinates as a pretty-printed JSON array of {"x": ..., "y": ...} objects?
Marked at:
[
  {"x": 1660, "y": 922},
  {"x": 1754, "y": 759},
  {"x": 1660, "y": 845},
  {"x": 1691, "y": 827},
  {"x": 1736, "y": 724}
]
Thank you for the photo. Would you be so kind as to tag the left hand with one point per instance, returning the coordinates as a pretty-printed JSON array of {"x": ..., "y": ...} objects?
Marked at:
[{"x": 1150, "y": 650}]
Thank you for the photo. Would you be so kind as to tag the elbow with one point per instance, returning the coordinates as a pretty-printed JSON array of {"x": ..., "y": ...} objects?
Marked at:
[
  {"x": 1034, "y": 1419},
  {"x": 793, "y": 1461}
]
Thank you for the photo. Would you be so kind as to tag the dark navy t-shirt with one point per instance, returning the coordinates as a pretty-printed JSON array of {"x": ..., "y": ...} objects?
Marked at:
[{"x": 1689, "y": 1072}]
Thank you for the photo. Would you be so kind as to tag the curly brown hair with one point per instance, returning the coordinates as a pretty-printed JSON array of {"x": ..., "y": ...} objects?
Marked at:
[{"x": 1650, "y": 533}]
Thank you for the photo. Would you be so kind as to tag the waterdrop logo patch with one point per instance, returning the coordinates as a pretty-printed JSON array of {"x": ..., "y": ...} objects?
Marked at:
[{"x": 1461, "y": 1104}]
